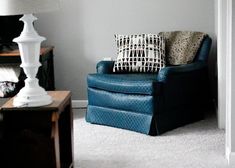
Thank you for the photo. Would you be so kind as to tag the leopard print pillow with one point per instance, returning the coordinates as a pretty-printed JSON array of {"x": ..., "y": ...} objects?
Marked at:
[{"x": 182, "y": 46}]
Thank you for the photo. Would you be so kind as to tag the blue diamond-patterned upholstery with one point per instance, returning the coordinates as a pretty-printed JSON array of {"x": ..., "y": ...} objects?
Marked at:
[
  {"x": 142, "y": 104},
  {"x": 150, "y": 103},
  {"x": 120, "y": 118},
  {"x": 123, "y": 83}
]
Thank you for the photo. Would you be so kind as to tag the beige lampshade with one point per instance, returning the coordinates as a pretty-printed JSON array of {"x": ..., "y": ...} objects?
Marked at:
[{"x": 17, "y": 7}]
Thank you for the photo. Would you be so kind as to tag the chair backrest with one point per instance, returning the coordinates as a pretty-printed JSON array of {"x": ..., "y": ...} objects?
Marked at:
[{"x": 203, "y": 52}]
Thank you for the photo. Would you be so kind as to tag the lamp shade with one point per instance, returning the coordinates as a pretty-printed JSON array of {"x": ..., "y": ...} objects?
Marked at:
[{"x": 17, "y": 7}]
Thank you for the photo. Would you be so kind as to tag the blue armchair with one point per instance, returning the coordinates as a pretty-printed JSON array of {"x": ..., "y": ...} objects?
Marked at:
[{"x": 150, "y": 103}]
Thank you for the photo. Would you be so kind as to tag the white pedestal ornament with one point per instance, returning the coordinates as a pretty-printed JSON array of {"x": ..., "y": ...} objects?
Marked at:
[{"x": 29, "y": 42}]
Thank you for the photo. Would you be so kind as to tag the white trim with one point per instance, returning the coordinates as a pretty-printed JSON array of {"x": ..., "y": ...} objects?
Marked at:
[
  {"x": 226, "y": 43},
  {"x": 227, "y": 153},
  {"x": 79, "y": 103},
  {"x": 228, "y": 74},
  {"x": 230, "y": 79},
  {"x": 221, "y": 62},
  {"x": 230, "y": 157}
]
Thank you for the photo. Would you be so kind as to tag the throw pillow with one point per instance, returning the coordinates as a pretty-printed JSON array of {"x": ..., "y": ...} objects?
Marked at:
[
  {"x": 182, "y": 46},
  {"x": 139, "y": 53}
]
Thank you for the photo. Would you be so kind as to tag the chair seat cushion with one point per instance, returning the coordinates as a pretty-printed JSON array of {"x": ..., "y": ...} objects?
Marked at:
[{"x": 124, "y": 83}]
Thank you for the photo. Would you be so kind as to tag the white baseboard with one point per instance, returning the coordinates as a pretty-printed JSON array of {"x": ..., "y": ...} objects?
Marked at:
[
  {"x": 79, "y": 103},
  {"x": 230, "y": 158}
]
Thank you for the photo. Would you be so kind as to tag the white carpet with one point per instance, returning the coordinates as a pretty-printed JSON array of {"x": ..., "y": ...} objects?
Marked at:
[{"x": 199, "y": 145}]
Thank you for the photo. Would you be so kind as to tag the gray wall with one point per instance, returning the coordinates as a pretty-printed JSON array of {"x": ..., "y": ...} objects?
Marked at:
[{"x": 82, "y": 31}]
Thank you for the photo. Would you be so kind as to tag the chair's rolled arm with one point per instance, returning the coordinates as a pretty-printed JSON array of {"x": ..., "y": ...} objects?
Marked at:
[
  {"x": 105, "y": 67},
  {"x": 179, "y": 70}
]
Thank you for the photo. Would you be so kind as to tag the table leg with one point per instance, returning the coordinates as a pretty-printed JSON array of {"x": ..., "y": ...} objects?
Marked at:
[
  {"x": 66, "y": 141},
  {"x": 55, "y": 137}
]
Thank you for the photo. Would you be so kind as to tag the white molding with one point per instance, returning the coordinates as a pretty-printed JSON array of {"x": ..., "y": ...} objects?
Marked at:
[
  {"x": 79, "y": 103},
  {"x": 227, "y": 152},
  {"x": 230, "y": 157},
  {"x": 221, "y": 62},
  {"x": 226, "y": 43},
  {"x": 230, "y": 79},
  {"x": 228, "y": 74}
]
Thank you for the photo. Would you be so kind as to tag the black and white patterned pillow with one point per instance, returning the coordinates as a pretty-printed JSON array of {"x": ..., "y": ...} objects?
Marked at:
[{"x": 139, "y": 53}]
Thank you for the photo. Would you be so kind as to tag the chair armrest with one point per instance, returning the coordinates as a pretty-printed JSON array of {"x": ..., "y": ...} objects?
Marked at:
[
  {"x": 184, "y": 86},
  {"x": 166, "y": 72},
  {"x": 105, "y": 67}
]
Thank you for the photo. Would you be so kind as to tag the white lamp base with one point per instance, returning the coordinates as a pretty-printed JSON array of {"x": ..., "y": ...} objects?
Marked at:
[
  {"x": 32, "y": 95},
  {"x": 32, "y": 101}
]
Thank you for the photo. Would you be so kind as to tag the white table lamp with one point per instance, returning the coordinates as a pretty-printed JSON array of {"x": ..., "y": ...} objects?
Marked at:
[{"x": 29, "y": 42}]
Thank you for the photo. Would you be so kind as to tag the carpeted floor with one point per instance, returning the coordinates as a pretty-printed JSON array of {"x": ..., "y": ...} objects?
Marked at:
[{"x": 199, "y": 145}]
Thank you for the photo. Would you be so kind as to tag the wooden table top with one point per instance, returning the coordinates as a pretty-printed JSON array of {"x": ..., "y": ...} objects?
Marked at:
[
  {"x": 16, "y": 53},
  {"x": 60, "y": 99}
]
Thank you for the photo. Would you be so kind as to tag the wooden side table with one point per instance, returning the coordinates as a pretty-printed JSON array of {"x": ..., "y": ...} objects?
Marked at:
[{"x": 39, "y": 137}]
